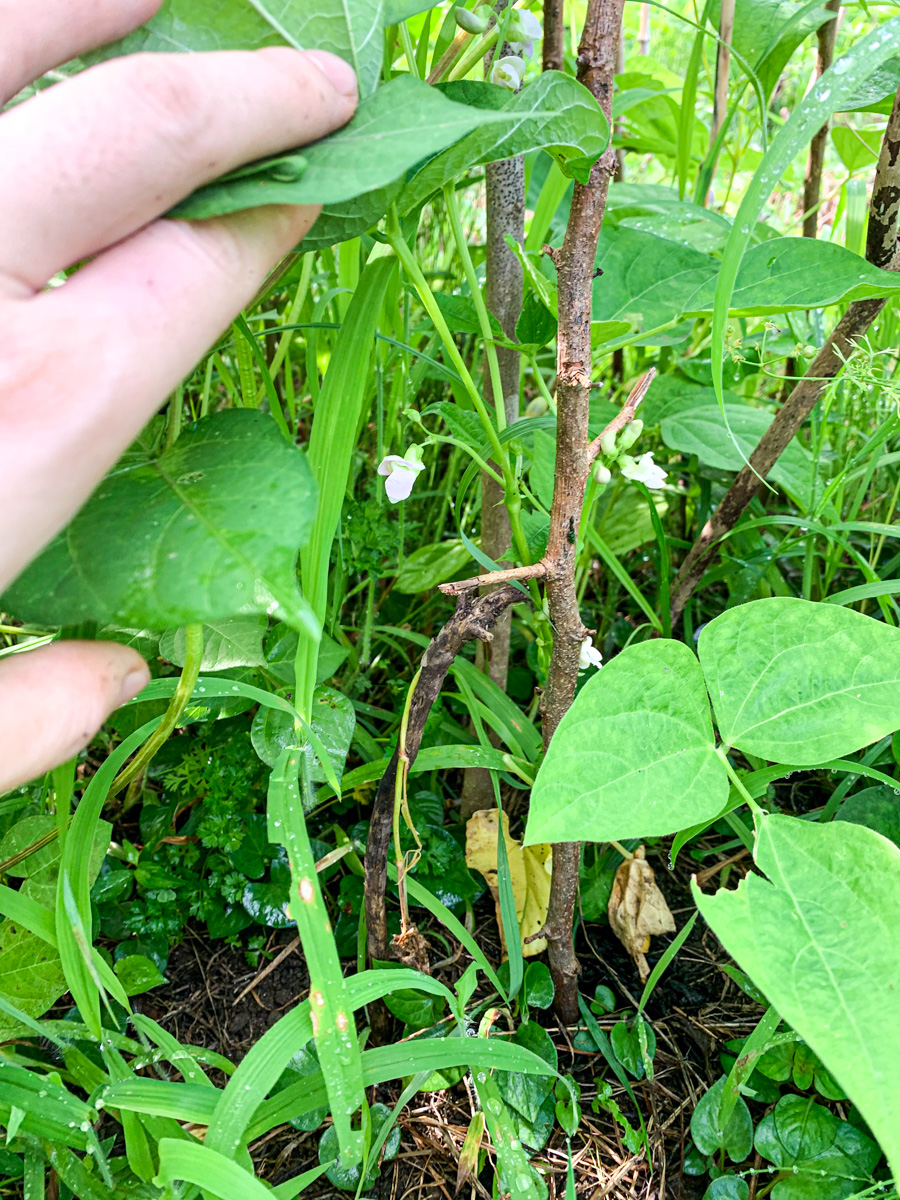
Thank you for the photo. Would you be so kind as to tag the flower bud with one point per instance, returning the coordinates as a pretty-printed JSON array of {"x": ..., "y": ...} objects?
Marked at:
[
  {"x": 537, "y": 407},
  {"x": 608, "y": 443},
  {"x": 602, "y": 474},
  {"x": 630, "y": 434},
  {"x": 470, "y": 21}
]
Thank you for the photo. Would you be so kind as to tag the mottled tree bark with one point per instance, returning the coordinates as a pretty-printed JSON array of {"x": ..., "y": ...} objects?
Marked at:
[
  {"x": 505, "y": 200},
  {"x": 881, "y": 251},
  {"x": 812, "y": 184}
]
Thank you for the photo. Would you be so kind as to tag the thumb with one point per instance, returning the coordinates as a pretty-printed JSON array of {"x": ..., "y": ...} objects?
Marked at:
[{"x": 53, "y": 701}]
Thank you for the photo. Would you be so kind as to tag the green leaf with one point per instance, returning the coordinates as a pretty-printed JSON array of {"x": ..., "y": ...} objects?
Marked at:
[
  {"x": 819, "y": 937},
  {"x": 737, "y": 1137},
  {"x": 788, "y": 274},
  {"x": 857, "y": 148},
  {"x": 767, "y": 32},
  {"x": 538, "y": 985},
  {"x": 404, "y": 122},
  {"x": 208, "y": 530},
  {"x": 138, "y": 974},
  {"x": 217, "y": 1175},
  {"x": 554, "y": 113},
  {"x": 430, "y": 565},
  {"x": 727, "y": 1187},
  {"x": 332, "y": 720},
  {"x": 634, "y": 756},
  {"x": 703, "y": 431},
  {"x": 182, "y": 25},
  {"x": 797, "y": 682},
  {"x": 875, "y": 807},
  {"x": 352, "y": 31},
  {"x": 659, "y": 210},
  {"x": 646, "y": 280},
  {"x": 829, "y": 94},
  {"x": 235, "y": 642},
  {"x": 350, "y": 218},
  {"x": 31, "y": 976}
]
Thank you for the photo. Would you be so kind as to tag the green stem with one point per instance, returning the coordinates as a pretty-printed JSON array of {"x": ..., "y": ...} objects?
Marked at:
[
  {"x": 473, "y": 54},
  {"x": 477, "y": 295},
  {"x": 737, "y": 782},
  {"x": 409, "y": 51},
  {"x": 400, "y": 802},
  {"x": 419, "y": 282},
  {"x": 193, "y": 656}
]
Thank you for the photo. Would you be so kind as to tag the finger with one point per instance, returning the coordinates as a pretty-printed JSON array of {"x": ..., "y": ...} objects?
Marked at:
[
  {"x": 93, "y": 159},
  {"x": 36, "y": 35},
  {"x": 53, "y": 701},
  {"x": 124, "y": 331}
]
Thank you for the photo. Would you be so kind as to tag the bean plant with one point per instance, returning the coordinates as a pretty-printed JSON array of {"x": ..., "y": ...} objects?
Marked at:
[{"x": 620, "y": 428}]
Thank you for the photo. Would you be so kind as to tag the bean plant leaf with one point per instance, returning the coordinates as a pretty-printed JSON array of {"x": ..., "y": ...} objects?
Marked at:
[
  {"x": 646, "y": 280},
  {"x": 351, "y": 30},
  {"x": 703, "y": 431},
  {"x": 554, "y": 113},
  {"x": 797, "y": 682},
  {"x": 182, "y": 25},
  {"x": 819, "y": 937},
  {"x": 634, "y": 756},
  {"x": 350, "y": 218},
  {"x": 829, "y": 95},
  {"x": 208, "y": 530},
  {"x": 404, "y": 122},
  {"x": 787, "y": 274}
]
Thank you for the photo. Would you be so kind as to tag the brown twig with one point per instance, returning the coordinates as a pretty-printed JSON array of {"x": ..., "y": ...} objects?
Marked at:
[
  {"x": 575, "y": 262},
  {"x": 473, "y": 618},
  {"x": 544, "y": 567},
  {"x": 812, "y": 184},
  {"x": 554, "y": 35},
  {"x": 881, "y": 251}
]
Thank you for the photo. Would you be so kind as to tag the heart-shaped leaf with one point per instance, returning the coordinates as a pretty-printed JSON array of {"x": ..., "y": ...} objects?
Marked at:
[
  {"x": 634, "y": 756},
  {"x": 208, "y": 530},
  {"x": 819, "y": 937},
  {"x": 797, "y": 682}
]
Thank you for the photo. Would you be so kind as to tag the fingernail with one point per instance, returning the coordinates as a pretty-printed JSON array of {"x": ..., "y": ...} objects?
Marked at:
[
  {"x": 339, "y": 74},
  {"x": 136, "y": 679}
]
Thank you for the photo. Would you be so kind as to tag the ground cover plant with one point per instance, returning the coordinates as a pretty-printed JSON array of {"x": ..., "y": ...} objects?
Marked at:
[{"x": 518, "y": 574}]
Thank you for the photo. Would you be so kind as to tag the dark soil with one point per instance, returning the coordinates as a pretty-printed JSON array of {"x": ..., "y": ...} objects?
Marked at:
[{"x": 216, "y": 1001}]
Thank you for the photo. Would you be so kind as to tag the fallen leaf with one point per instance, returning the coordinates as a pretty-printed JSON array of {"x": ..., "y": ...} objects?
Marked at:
[
  {"x": 529, "y": 870},
  {"x": 638, "y": 909}
]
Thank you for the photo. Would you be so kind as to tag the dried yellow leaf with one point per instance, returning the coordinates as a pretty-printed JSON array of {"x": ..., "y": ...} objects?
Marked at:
[
  {"x": 529, "y": 870},
  {"x": 637, "y": 909}
]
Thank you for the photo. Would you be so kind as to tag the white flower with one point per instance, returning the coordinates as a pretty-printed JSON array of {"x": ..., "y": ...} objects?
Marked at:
[
  {"x": 524, "y": 30},
  {"x": 507, "y": 72},
  {"x": 643, "y": 470},
  {"x": 401, "y": 475},
  {"x": 590, "y": 656}
]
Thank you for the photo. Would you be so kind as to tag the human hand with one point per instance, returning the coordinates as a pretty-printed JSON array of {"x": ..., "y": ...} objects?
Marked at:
[{"x": 89, "y": 166}]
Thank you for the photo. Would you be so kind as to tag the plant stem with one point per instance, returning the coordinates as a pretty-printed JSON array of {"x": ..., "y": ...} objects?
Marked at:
[
  {"x": 597, "y": 57},
  {"x": 722, "y": 752},
  {"x": 193, "y": 656}
]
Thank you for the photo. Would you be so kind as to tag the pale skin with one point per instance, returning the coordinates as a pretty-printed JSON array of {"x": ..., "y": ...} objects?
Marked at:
[{"x": 89, "y": 167}]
